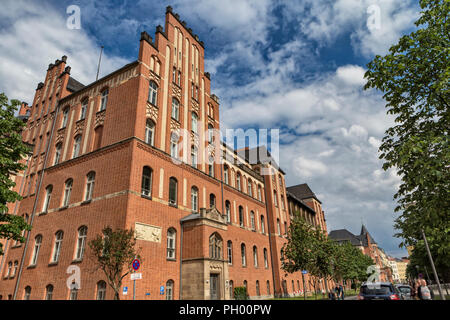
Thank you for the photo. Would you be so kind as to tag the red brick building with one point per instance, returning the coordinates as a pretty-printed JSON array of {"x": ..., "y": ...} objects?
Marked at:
[{"x": 136, "y": 149}]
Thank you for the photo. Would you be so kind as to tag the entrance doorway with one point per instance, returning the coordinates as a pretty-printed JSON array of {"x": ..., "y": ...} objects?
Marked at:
[{"x": 214, "y": 287}]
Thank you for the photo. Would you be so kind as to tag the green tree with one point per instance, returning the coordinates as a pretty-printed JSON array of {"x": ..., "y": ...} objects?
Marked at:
[
  {"x": 414, "y": 78},
  {"x": 114, "y": 252},
  {"x": 12, "y": 151}
]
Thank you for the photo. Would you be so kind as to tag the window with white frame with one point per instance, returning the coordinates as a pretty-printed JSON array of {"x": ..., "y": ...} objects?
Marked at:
[
  {"x": 37, "y": 247},
  {"x": 252, "y": 220},
  {"x": 194, "y": 122},
  {"x": 243, "y": 255},
  {"x": 175, "y": 109},
  {"x": 194, "y": 156},
  {"x": 266, "y": 262},
  {"x": 48, "y": 196},
  {"x": 57, "y": 246},
  {"x": 228, "y": 210},
  {"x": 174, "y": 145},
  {"x": 146, "y": 185},
  {"x": 150, "y": 132},
  {"x": 101, "y": 290},
  {"x": 67, "y": 192},
  {"x": 84, "y": 106},
  {"x": 81, "y": 242},
  {"x": 230, "y": 252},
  {"x": 169, "y": 290},
  {"x": 104, "y": 100},
  {"x": 90, "y": 182},
  {"x": 255, "y": 256},
  {"x": 153, "y": 93},
  {"x": 171, "y": 238},
  {"x": 263, "y": 227},
  {"x": 76, "y": 146},
  {"x": 173, "y": 186},
  {"x": 57, "y": 153},
  {"x": 65, "y": 117},
  {"x": 194, "y": 199}
]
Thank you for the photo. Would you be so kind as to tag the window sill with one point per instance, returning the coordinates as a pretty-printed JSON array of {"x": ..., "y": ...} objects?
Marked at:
[
  {"x": 31, "y": 266},
  {"x": 152, "y": 104},
  {"x": 53, "y": 264},
  {"x": 86, "y": 202},
  {"x": 146, "y": 197},
  {"x": 80, "y": 120},
  {"x": 43, "y": 213},
  {"x": 173, "y": 205},
  {"x": 63, "y": 208},
  {"x": 171, "y": 259},
  {"x": 77, "y": 260}
]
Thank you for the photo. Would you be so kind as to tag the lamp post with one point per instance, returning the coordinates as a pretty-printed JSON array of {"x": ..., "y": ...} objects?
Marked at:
[{"x": 432, "y": 266}]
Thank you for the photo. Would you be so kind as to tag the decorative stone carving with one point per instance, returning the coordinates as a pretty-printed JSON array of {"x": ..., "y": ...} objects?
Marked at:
[
  {"x": 79, "y": 126},
  {"x": 152, "y": 112},
  {"x": 195, "y": 106},
  {"x": 176, "y": 91},
  {"x": 213, "y": 214},
  {"x": 60, "y": 135},
  {"x": 153, "y": 77},
  {"x": 147, "y": 232},
  {"x": 100, "y": 118},
  {"x": 174, "y": 125}
]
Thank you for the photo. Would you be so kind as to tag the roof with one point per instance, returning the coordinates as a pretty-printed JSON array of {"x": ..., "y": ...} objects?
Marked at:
[
  {"x": 302, "y": 191},
  {"x": 74, "y": 85},
  {"x": 259, "y": 154},
  {"x": 342, "y": 235},
  {"x": 301, "y": 202},
  {"x": 363, "y": 236}
]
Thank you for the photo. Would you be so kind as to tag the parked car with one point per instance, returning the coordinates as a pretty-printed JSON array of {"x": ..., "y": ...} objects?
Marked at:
[
  {"x": 405, "y": 290},
  {"x": 379, "y": 291}
]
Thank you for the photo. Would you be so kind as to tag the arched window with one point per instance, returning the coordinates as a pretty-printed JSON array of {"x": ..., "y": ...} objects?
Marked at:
[
  {"x": 57, "y": 247},
  {"x": 65, "y": 117},
  {"x": 174, "y": 145},
  {"x": 175, "y": 109},
  {"x": 282, "y": 202},
  {"x": 194, "y": 122},
  {"x": 104, "y": 99},
  {"x": 49, "y": 292},
  {"x": 27, "y": 293},
  {"x": 153, "y": 93},
  {"x": 243, "y": 255},
  {"x": 48, "y": 196},
  {"x": 194, "y": 199},
  {"x": 228, "y": 210},
  {"x": 84, "y": 106},
  {"x": 210, "y": 133},
  {"x": 255, "y": 256},
  {"x": 9, "y": 269},
  {"x": 173, "y": 186},
  {"x": 268, "y": 287},
  {"x": 278, "y": 227},
  {"x": 263, "y": 228},
  {"x": 37, "y": 246},
  {"x": 215, "y": 246},
  {"x": 245, "y": 286},
  {"x": 57, "y": 153},
  {"x": 90, "y": 181},
  {"x": 238, "y": 181},
  {"x": 101, "y": 290},
  {"x": 212, "y": 200},
  {"x": 194, "y": 156},
  {"x": 81, "y": 242},
  {"x": 266, "y": 261},
  {"x": 211, "y": 166},
  {"x": 252, "y": 220},
  {"x": 146, "y": 183},
  {"x": 259, "y": 193},
  {"x": 249, "y": 188},
  {"x": 67, "y": 191},
  {"x": 76, "y": 146},
  {"x": 169, "y": 290},
  {"x": 280, "y": 181},
  {"x": 16, "y": 265},
  {"x": 98, "y": 134},
  {"x": 226, "y": 174},
  {"x": 150, "y": 132},
  {"x": 230, "y": 251},
  {"x": 258, "y": 293},
  {"x": 171, "y": 241},
  {"x": 275, "y": 198},
  {"x": 241, "y": 216}
]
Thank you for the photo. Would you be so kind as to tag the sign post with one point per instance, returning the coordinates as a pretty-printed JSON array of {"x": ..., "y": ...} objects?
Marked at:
[
  {"x": 136, "y": 264},
  {"x": 303, "y": 278}
]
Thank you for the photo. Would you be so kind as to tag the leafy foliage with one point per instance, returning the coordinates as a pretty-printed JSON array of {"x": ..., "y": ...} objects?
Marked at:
[
  {"x": 414, "y": 78},
  {"x": 114, "y": 252},
  {"x": 240, "y": 293},
  {"x": 12, "y": 150}
]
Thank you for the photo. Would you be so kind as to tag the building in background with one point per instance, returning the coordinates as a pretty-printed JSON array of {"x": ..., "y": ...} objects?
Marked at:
[
  {"x": 137, "y": 149},
  {"x": 368, "y": 246}
]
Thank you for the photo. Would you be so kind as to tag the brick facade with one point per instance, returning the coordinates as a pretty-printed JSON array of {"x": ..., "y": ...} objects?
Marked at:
[{"x": 101, "y": 129}]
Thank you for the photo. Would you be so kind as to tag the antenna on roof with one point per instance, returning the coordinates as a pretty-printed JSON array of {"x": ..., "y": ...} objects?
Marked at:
[{"x": 99, "y": 60}]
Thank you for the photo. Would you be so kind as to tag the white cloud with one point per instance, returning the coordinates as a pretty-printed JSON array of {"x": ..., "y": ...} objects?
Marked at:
[
  {"x": 36, "y": 37},
  {"x": 352, "y": 75}
]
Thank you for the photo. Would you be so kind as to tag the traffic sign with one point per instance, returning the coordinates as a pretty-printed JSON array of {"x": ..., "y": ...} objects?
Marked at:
[
  {"x": 136, "y": 276},
  {"x": 136, "y": 264},
  {"x": 161, "y": 290},
  {"x": 304, "y": 271},
  {"x": 125, "y": 291}
]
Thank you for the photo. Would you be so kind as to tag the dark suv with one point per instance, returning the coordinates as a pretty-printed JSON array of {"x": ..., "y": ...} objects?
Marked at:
[{"x": 379, "y": 291}]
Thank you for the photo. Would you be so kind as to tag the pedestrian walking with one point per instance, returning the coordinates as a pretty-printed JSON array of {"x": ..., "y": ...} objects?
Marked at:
[
  {"x": 341, "y": 292},
  {"x": 423, "y": 292}
]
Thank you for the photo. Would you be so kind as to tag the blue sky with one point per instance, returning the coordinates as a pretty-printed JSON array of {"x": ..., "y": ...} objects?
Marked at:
[{"x": 293, "y": 65}]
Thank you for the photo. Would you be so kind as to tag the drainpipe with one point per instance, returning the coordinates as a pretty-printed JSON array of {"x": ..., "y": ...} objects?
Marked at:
[
  {"x": 181, "y": 260},
  {"x": 19, "y": 275}
]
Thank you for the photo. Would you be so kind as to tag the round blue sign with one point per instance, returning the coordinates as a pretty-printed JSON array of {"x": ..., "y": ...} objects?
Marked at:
[{"x": 136, "y": 264}]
